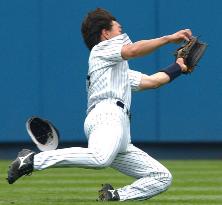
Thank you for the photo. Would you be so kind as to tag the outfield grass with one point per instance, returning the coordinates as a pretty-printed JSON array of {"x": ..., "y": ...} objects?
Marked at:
[{"x": 195, "y": 183}]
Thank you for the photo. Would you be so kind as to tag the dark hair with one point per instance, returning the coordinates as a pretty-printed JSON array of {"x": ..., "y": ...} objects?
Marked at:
[{"x": 93, "y": 24}]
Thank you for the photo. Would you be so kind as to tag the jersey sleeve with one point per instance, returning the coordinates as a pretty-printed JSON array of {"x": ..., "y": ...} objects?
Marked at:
[
  {"x": 110, "y": 50},
  {"x": 134, "y": 79}
]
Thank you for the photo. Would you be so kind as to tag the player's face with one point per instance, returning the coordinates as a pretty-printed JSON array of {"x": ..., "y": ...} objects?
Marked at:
[{"x": 115, "y": 30}]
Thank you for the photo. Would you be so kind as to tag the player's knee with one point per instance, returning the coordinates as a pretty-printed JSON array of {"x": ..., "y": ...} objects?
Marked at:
[
  {"x": 165, "y": 179},
  {"x": 103, "y": 161},
  {"x": 168, "y": 180}
]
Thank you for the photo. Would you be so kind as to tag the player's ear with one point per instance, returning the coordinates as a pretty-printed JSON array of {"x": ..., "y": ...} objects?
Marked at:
[{"x": 105, "y": 34}]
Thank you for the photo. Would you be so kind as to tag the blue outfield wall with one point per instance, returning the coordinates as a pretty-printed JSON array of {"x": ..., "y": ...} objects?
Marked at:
[{"x": 43, "y": 63}]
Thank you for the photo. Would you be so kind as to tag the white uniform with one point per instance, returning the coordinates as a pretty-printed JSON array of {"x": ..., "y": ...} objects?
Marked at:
[{"x": 107, "y": 126}]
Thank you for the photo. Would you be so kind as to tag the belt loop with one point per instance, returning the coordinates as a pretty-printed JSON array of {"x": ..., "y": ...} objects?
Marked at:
[{"x": 123, "y": 106}]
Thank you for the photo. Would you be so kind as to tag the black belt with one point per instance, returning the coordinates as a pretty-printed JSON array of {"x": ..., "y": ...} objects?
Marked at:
[{"x": 120, "y": 104}]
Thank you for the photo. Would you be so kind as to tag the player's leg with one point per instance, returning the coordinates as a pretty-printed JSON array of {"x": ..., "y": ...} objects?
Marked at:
[
  {"x": 105, "y": 141},
  {"x": 152, "y": 177},
  {"x": 105, "y": 134},
  {"x": 103, "y": 147}
]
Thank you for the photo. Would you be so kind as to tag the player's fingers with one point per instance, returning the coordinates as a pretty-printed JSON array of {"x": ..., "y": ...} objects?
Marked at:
[
  {"x": 185, "y": 37},
  {"x": 182, "y": 65},
  {"x": 187, "y": 34},
  {"x": 188, "y": 31}
]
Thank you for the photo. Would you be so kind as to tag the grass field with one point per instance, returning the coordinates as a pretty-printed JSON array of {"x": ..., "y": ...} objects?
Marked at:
[{"x": 195, "y": 183}]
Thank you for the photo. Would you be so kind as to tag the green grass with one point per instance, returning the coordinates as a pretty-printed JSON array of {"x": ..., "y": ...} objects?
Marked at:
[{"x": 195, "y": 183}]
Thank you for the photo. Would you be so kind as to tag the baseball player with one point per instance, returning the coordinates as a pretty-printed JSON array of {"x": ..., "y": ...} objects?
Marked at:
[{"x": 107, "y": 125}]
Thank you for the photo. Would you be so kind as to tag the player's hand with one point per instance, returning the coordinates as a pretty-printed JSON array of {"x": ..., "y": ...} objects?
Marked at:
[
  {"x": 180, "y": 62},
  {"x": 180, "y": 36}
]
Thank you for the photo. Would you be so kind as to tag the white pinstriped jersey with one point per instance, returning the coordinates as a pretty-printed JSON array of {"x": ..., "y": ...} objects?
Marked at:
[{"x": 109, "y": 74}]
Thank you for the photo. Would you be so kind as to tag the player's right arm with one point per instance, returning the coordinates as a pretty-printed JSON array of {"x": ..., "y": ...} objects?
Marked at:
[
  {"x": 144, "y": 47},
  {"x": 160, "y": 78}
]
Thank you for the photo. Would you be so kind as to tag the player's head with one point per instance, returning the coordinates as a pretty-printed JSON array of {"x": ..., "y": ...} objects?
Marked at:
[{"x": 99, "y": 25}]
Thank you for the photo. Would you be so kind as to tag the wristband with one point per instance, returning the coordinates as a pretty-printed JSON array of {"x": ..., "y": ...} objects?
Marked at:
[{"x": 173, "y": 71}]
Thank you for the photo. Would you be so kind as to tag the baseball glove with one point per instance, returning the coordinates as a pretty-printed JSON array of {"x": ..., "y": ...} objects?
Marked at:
[
  {"x": 192, "y": 51},
  {"x": 42, "y": 133}
]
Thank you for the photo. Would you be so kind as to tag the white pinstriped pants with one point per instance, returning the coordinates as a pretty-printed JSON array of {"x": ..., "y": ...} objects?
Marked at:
[{"x": 107, "y": 127}]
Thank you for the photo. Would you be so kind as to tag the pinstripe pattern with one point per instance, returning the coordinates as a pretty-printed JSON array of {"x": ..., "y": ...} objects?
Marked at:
[
  {"x": 107, "y": 127},
  {"x": 108, "y": 72},
  {"x": 153, "y": 178},
  {"x": 106, "y": 132}
]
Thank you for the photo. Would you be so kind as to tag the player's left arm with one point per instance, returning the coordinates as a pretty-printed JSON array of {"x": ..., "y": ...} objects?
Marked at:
[{"x": 145, "y": 47}]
